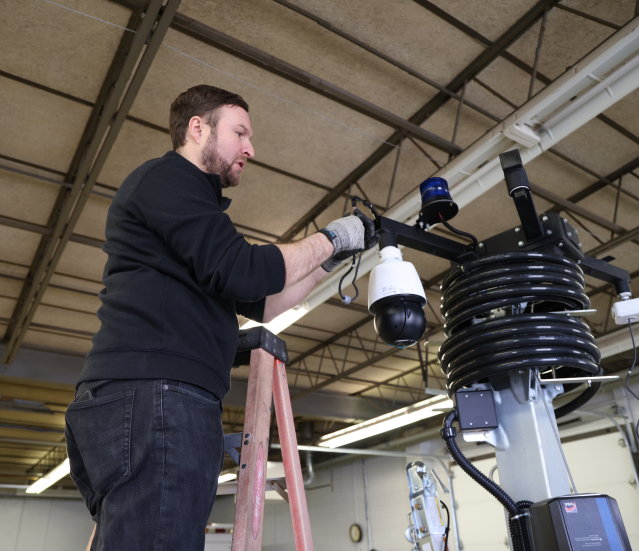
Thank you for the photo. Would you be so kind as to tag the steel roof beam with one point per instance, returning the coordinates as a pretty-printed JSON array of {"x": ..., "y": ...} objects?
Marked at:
[
  {"x": 104, "y": 125},
  {"x": 43, "y": 230}
]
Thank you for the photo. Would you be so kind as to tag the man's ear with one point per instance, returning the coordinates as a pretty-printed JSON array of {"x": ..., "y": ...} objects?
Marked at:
[{"x": 196, "y": 129}]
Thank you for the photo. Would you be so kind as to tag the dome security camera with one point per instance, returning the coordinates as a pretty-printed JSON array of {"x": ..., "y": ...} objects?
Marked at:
[{"x": 396, "y": 298}]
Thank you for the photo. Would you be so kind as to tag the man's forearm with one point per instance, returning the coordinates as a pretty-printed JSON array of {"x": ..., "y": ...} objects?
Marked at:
[
  {"x": 305, "y": 256},
  {"x": 276, "y": 304}
]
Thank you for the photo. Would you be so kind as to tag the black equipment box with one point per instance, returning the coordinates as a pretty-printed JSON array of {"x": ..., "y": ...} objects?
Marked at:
[
  {"x": 580, "y": 522},
  {"x": 476, "y": 409}
]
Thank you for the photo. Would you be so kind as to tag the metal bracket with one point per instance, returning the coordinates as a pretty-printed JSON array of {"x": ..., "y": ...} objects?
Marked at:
[
  {"x": 259, "y": 337},
  {"x": 524, "y": 385},
  {"x": 231, "y": 443},
  {"x": 278, "y": 485}
]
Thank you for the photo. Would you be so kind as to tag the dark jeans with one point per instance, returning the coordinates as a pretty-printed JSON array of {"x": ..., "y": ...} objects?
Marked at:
[{"x": 146, "y": 456}]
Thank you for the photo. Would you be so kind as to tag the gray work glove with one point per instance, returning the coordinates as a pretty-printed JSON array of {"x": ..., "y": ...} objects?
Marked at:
[{"x": 349, "y": 235}]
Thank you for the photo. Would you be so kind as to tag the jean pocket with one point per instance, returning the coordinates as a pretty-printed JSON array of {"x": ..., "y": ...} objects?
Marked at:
[
  {"x": 99, "y": 434},
  {"x": 194, "y": 392}
]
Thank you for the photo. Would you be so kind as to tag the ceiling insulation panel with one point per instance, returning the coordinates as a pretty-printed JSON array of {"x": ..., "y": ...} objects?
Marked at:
[
  {"x": 18, "y": 245},
  {"x": 25, "y": 198},
  {"x": 567, "y": 39},
  {"x": 508, "y": 80},
  {"x": 81, "y": 302},
  {"x": 401, "y": 29},
  {"x": 269, "y": 201},
  {"x": 413, "y": 168},
  {"x": 58, "y": 48},
  {"x": 472, "y": 125},
  {"x": 45, "y": 128},
  {"x": 341, "y": 63},
  {"x": 557, "y": 175},
  {"x": 598, "y": 147},
  {"x": 134, "y": 145},
  {"x": 473, "y": 14},
  {"x": 92, "y": 221},
  {"x": 67, "y": 318},
  {"x": 624, "y": 112},
  {"x": 83, "y": 261}
]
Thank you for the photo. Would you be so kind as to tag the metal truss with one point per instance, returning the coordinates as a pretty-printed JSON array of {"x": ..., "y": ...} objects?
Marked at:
[{"x": 333, "y": 366}]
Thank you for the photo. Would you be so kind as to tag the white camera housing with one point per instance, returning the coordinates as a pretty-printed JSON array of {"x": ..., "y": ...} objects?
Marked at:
[
  {"x": 393, "y": 276},
  {"x": 396, "y": 298}
]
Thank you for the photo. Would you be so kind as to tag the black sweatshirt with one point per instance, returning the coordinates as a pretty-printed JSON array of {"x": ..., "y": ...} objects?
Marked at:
[{"x": 176, "y": 275}]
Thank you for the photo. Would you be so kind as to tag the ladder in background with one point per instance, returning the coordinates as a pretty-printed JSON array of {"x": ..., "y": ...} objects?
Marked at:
[{"x": 267, "y": 380}]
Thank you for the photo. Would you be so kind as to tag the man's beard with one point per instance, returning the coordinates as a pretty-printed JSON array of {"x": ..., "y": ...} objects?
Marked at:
[{"x": 214, "y": 164}]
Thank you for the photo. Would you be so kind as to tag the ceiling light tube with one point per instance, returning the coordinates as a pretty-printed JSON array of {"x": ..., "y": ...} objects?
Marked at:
[
  {"x": 281, "y": 322},
  {"x": 50, "y": 478},
  {"x": 389, "y": 421}
]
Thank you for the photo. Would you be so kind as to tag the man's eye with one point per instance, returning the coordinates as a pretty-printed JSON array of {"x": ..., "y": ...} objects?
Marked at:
[{"x": 240, "y": 134}]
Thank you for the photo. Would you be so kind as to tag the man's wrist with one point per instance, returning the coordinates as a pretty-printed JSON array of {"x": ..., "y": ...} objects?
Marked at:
[{"x": 330, "y": 236}]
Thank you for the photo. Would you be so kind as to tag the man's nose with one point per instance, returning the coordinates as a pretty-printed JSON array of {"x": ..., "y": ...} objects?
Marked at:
[{"x": 248, "y": 150}]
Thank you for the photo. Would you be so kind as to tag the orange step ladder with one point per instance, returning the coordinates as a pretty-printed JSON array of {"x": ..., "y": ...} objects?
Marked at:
[{"x": 267, "y": 381}]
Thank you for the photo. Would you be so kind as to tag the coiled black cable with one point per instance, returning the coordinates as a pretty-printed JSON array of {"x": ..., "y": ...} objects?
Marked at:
[{"x": 525, "y": 288}]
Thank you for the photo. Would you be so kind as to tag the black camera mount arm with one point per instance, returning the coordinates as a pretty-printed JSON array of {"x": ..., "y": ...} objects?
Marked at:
[{"x": 395, "y": 233}]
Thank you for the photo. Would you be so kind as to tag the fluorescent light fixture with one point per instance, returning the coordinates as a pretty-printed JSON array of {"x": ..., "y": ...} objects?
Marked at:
[
  {"x": 281, "y": 322},
  {"x": 48, "y": 479},
  {"x": 226, "y": 477},
  {"x": 389, "y": 421}
]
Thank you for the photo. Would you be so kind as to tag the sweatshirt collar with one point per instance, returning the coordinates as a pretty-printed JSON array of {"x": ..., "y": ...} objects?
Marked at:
[{"x": 214, "y": 180}]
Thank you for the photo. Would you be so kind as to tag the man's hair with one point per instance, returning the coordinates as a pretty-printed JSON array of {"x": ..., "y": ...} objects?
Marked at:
[{"x": 200, "y": 101}]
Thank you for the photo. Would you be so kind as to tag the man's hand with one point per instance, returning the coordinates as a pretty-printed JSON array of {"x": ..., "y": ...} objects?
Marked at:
[
  {"x": 352, "y": 234},
  {"x": 345, "y": 237}
]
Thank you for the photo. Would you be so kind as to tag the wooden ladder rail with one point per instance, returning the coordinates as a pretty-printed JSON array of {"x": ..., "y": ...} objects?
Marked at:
[{"x": 267, "y": 381}]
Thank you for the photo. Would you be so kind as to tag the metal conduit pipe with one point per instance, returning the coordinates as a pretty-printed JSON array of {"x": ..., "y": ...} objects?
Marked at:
[{"x": 310, "y": 473}]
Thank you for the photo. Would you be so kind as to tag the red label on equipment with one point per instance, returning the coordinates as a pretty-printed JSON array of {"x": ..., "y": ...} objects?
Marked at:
[
  {"x": 570, "y": 506},
  {"x": 258, "y": 490}
]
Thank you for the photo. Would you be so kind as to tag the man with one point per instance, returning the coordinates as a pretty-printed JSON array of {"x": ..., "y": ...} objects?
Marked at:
[{"x": 144, "y": 434}]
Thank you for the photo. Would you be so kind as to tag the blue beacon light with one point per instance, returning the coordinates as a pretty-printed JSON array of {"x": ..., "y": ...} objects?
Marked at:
[{"x": 436, "y": 201}]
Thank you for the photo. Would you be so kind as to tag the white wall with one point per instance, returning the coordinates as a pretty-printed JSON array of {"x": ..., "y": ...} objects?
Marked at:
[{"x": 39, "y": 524}]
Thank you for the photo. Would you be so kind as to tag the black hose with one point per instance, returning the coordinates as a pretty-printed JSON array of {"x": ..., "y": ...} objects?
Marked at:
[
  {"x": 524, "y": 288},
  {"x": 459, "y": 232},
  {"x": 518, "y": 532},
  {"x": 447, "y": 530},
  {"x": 449, "y": 433}
]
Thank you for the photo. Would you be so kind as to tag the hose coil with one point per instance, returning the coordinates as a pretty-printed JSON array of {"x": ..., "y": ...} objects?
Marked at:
[{"x": 498, "y": 314}]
